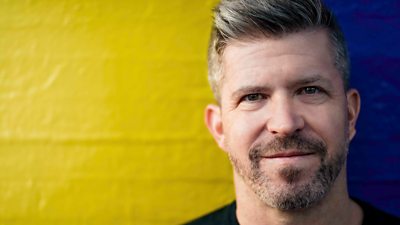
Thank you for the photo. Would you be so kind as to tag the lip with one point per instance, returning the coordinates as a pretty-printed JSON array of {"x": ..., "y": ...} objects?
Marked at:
[{"x": 288, "y": 155}]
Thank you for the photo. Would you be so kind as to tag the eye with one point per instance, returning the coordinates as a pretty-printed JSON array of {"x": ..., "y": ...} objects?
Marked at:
[
  {"x": 310, "y": 90},
  {"x": 312, "y": 94},
  {"x": 252, "y": 97}
]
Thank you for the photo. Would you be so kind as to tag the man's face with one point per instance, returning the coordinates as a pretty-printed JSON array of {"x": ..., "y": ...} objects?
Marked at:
[{"x": 285, "y": 119}]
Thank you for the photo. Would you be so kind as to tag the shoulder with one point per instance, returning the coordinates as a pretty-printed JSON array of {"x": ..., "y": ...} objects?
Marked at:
[
  {"x": 373, "y": 215},
  {"x": 222, "y": 216}
]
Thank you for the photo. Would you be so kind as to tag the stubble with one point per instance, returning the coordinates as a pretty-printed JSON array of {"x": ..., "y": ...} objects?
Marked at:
[{"x": 291, "y": 195}]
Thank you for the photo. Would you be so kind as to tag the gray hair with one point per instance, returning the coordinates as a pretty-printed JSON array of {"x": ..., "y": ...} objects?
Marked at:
[{"x": 252, "y": 19}]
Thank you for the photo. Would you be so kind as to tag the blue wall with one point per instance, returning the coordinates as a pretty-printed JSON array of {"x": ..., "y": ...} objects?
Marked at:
[{"x": 372, "y": 32}]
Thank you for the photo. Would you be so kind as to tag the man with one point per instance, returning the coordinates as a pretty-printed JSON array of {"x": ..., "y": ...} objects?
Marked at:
[{"x": 285, "y": 116}]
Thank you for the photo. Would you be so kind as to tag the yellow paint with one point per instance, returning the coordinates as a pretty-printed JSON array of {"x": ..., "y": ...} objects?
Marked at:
[{"x": 101, "y": 113}]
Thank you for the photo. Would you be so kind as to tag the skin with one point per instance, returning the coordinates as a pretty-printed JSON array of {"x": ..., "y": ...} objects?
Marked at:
[{"x": 277, "y": 87}]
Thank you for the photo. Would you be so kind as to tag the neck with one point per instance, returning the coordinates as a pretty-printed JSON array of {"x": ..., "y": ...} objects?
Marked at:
[{"x": 334, "y": 209}]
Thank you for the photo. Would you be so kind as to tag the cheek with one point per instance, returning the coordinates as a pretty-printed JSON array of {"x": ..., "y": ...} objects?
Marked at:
[
  {"x": 242, "y": 130},
  {"x": 331, "y": 127}
]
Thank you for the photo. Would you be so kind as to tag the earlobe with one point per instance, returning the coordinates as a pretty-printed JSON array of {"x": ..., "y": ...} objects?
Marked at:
[
  {"x": 353, "y": 108},
  {"x": 213, "y": 120}
]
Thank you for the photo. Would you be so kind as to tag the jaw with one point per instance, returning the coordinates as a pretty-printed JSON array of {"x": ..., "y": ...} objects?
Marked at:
[
  {"x": 250, "y": 208},
  {"x": 290, "y": 186}
]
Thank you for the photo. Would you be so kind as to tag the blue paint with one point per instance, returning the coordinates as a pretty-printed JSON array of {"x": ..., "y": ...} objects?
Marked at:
[{"x": 372, "y": 32}]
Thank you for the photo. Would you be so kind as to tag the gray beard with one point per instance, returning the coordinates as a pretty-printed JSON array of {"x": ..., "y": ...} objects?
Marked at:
[{"x": 292, "y": 196}]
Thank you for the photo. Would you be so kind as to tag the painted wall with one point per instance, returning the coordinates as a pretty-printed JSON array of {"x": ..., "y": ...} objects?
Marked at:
[
  {"x": 101, "y": 113},
  {"x": 372, "y": 31},
  {"x": 101, "y": 107}
]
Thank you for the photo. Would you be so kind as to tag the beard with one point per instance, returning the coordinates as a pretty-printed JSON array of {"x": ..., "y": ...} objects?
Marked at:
[{"x": 291, "y": 195}]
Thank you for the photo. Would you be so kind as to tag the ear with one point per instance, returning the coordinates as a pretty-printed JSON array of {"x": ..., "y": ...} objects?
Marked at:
[
  {"x": 353, "y": 109},
  {"x": 213, "y": 120}
]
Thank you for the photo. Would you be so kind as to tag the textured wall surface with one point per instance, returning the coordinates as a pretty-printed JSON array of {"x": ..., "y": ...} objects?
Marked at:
[
  {"x": 372, "y": 29},
  {"x": 101, "y": 107},
  {"x": 101, "y": 113}
]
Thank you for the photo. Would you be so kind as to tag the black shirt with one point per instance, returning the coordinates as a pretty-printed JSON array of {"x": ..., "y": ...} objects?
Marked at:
[{"x": 227, "y": 216}]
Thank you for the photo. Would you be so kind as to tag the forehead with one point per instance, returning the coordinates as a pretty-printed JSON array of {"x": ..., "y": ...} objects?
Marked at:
[
  {"x": 304, "y": 42},
  {"x": 290, "y": 55}
]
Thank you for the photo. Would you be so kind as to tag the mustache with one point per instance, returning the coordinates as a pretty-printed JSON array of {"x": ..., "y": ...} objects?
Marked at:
[{"x": 281, "y": 144}]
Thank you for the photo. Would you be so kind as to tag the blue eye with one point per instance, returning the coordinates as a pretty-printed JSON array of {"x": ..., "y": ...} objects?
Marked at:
[
  {"x": 310, "y": 90},
  {"x": 253, "y": 97}
]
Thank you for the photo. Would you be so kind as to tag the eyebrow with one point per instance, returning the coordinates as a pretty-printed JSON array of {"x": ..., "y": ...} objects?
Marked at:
[
  {"x": 311, "y": 80},
  {"x": 249, "y": 89}
]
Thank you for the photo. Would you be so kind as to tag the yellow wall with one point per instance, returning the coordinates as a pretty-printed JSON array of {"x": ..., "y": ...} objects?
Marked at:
[{"x": 101, "y": 107}]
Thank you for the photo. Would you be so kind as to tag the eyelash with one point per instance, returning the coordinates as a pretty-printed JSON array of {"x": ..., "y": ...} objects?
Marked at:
[
  {"x": 315, "y": 88},
  {"x": 259, "y": 97}
]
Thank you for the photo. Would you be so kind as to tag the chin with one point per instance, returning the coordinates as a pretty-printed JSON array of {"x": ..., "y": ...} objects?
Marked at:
[
  {"x": 292, "y": 188},
  {"x": 292, "y": 196}
]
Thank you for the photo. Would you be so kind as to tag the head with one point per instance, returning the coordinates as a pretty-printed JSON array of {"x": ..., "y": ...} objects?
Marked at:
[
  {"x": 279, "y": 71},
  {"x": 252, "y": 19}
]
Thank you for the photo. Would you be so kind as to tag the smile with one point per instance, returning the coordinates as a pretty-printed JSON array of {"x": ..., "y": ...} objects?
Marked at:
[{"x": 288, "y": 154}]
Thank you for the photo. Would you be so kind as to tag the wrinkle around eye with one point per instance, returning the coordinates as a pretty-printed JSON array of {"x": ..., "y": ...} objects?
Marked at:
[
  {"x": 252, "y": 97},
  {"x": 313, "y": 95},
  {"x": 251, "y": 102}
]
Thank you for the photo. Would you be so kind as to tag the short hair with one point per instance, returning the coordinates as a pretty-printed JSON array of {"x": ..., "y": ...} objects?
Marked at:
[{"x": 243, "y": 19}]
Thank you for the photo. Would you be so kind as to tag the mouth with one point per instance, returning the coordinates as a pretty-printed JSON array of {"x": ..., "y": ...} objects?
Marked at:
[{"x": 288, "y": 154}]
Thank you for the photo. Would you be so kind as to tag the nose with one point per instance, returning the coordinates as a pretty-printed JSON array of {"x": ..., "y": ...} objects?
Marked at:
[{"x": 284, "y": 118}]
